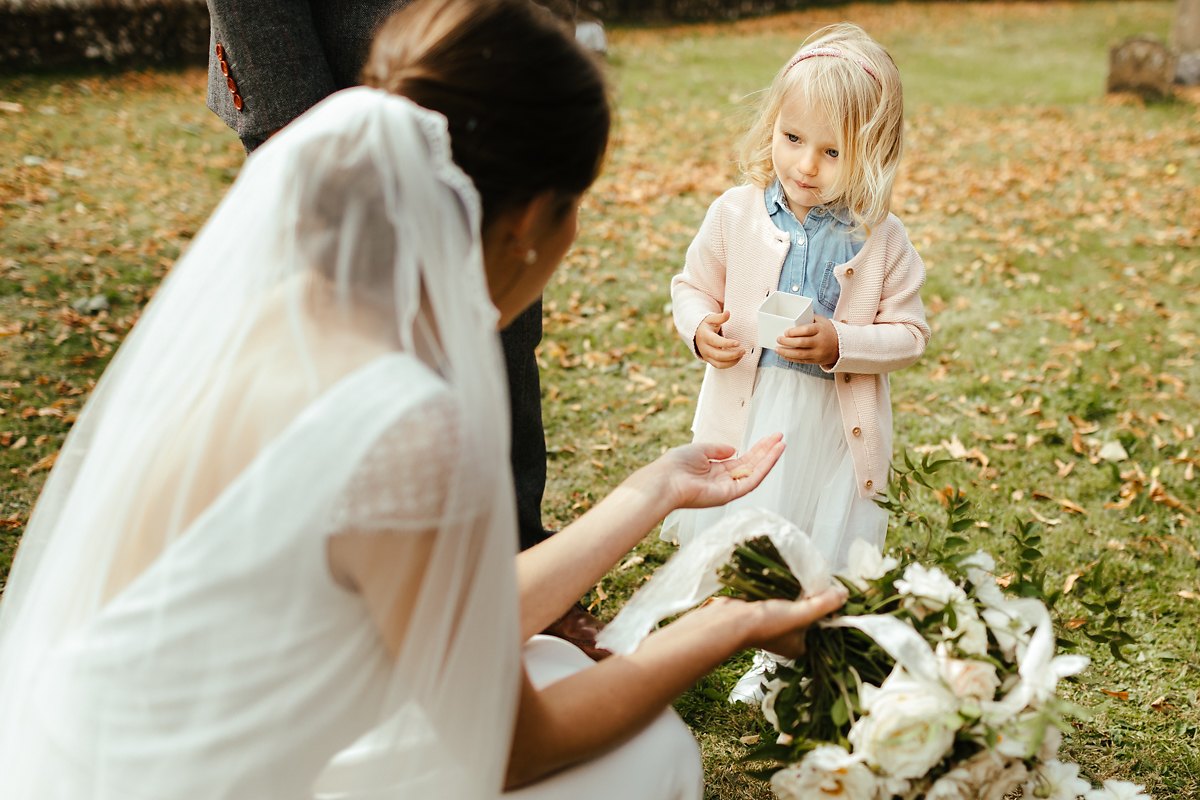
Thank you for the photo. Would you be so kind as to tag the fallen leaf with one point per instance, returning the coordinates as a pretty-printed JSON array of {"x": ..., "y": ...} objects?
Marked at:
[
  {"x": 632, "y": 561},
  {"x": 1161, "y": 704},
  {"x": 1113, "y": 452}
]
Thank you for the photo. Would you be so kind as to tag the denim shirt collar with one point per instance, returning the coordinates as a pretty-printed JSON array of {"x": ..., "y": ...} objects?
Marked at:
[{"x": 777, "y": 203}]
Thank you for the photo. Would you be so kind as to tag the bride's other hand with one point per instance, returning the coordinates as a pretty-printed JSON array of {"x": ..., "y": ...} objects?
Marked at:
[
  {"x": 704, "y": 475},
  {"x": 780, "y": 626},
  {"x": 783, "y": 624}
]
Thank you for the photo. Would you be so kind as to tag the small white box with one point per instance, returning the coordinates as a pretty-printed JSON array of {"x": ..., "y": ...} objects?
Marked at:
[{"x": 780, "y": 312}]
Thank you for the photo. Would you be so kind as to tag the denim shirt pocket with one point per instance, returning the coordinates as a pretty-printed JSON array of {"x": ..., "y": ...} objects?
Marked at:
[{"x": 829, "y": 291}]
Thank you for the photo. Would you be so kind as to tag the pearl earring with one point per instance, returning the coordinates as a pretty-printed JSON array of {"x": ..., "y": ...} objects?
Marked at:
[{"x": 531, "y": 256}]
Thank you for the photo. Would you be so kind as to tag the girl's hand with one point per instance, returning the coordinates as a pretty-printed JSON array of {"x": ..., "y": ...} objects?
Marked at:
[
  {"x": 810, "y": 344},
  {"x": 714, "y": 348},
  {"x": 704, "y": 475}
]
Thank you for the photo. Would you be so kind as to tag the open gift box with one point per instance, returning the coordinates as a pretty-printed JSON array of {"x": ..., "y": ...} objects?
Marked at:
[{"x": 779, "y": 313}]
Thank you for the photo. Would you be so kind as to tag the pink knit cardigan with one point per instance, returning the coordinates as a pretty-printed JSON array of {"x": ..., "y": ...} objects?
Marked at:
[{"x": 734, "y": 263}]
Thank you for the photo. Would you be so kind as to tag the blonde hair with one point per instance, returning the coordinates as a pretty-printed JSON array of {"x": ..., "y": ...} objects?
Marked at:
[{"x": 854, "y": 80}]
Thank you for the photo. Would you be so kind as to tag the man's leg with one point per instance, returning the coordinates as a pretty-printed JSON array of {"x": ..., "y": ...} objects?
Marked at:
[{"x": 520, "y": 339}]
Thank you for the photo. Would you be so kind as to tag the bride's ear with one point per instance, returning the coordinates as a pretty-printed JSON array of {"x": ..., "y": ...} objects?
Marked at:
[
  {"x": 529, "y": 223},
  {"x": 514, "y": 233}
]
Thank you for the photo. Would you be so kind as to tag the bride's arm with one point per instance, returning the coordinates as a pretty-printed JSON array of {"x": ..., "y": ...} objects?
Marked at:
[
  {"x": 558, "y": 571},
  {"x": 591, "y": 711}
]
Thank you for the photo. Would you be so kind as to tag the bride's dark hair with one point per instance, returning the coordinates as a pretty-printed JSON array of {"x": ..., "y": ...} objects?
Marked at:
[{"x": 527, "y": 105}]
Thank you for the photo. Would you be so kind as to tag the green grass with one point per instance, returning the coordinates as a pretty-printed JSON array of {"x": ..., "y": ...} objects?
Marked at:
[{"x": 1061, "y": 232}]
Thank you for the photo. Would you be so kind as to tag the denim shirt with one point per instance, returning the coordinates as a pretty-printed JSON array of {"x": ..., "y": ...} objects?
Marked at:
[{"x": 824, "y": 240}]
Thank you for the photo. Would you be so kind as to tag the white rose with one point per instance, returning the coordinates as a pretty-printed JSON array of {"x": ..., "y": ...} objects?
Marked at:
[
  {"x": 987, "y": 776},
  {"x": 1118, "y": 790},
  {"x": 976, "y": 680},
  {"x": 908, "y": 727},
  {"x": 867, "y": 563},
  {"x": 1006, "y": 782},
  {"x": 927, "y": 589},
  {"x": 949, "y": 787},
  {"x": 1055, "y": 780},
  {"x": 828, "y": 771}
]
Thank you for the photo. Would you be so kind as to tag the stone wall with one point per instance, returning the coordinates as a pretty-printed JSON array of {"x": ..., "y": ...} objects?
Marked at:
[
  {"x": 54, "y": 34},
  {"x": 37, "y": 36}
]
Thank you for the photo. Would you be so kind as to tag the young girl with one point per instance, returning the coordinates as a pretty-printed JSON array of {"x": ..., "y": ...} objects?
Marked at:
[{"x": 813, "y": 220}]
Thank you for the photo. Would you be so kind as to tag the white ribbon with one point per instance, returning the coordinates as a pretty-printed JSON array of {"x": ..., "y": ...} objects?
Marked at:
[{"x": 690, "y": 576}]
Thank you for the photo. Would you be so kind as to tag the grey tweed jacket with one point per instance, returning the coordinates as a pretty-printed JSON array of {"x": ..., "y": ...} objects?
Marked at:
[{"x": 277, "y": 58}]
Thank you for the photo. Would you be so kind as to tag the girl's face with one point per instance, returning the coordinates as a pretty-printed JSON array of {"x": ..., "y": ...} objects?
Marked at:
[{"x": 804, "y": 153}]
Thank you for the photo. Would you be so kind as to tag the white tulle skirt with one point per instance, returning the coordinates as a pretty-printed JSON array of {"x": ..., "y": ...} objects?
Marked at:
[{"x": 813, "y": 485}]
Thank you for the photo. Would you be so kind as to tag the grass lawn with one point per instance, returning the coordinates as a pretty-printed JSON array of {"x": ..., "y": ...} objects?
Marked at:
[{"x": 1061, "y": 231}]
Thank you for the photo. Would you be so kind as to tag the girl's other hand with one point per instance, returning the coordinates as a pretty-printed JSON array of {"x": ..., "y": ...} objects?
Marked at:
[
  {"x": 714, "y": 348},
  {"x": 810, "y": 344}
]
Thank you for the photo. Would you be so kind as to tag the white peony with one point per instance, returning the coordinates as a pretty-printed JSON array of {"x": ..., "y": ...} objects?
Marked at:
[
  {"x": 1118, "y": 790},
  {"x": 828, "y": 771},
  {"x": 908, "y": 725},
  {"x": 1055, "y": 780},
  {"x": 927, "y": 589}
]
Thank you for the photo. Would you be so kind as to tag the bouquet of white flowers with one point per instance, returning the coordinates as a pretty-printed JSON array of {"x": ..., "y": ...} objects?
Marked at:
[{"x": 933, "y": 682}]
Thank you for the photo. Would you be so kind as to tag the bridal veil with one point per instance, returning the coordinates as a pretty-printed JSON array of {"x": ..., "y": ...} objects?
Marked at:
[{"x": 322, "y": 362}]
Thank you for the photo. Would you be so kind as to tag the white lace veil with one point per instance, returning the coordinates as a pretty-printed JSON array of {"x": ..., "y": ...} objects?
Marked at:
[{"x": 323, "y": 360}]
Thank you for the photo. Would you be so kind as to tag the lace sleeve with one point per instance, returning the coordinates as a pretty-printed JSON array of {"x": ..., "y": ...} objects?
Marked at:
[{"x": 403, "y": 483}]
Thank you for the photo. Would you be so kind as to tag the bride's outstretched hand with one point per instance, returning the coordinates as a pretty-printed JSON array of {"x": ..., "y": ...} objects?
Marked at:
[{"x": 704, "y": 475}]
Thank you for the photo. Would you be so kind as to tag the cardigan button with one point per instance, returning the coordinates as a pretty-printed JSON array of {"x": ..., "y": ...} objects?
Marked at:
[
  {"x": 869, "y": 484},
  {"x": 845, "y": 377},
  {"x": 849, "y": 271},
  {"x": 857, "y": 431}
]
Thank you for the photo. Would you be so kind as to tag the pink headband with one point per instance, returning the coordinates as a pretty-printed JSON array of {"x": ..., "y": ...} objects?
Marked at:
[{"x": 836, "y": 53}]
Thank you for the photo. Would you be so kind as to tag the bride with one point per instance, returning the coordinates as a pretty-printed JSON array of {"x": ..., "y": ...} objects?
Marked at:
[{"x": 277, "y": 555}]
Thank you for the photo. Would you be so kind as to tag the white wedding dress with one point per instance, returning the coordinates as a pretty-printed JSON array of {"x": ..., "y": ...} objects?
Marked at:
[{"x": 323, "y": 363}]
